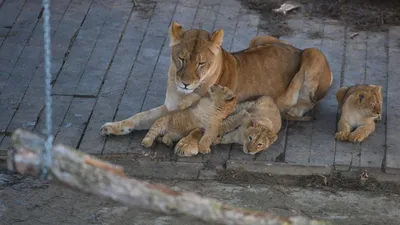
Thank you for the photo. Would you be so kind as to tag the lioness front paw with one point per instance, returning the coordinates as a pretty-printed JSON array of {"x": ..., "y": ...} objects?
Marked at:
[
  {"x": 147, "y": 142},
  {"x": 356, "y": 137},
  {"x": 114, "y": 128},
  {"x": 342, "y": 136},
  {"x": 186, "y": 147}
]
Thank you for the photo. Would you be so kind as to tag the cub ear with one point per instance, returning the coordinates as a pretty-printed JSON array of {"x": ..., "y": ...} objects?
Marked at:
[
  {"x": 378, "y": 88},
  {"x": 253, "y": 123},
  {"x": 272, "y": 137},
  {"x": 216, "y": 39},
  {"x": 175, "y": 32},
  {"x": 361, "y": 96},
  {"x": 341, "y": 93},
  {"x": 229, "y": 96}
]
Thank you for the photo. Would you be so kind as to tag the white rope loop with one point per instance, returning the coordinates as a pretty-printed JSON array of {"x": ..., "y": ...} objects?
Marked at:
[{"x": 48, "y": 100}]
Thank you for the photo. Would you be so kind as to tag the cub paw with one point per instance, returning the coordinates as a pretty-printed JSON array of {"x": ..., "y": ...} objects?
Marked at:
[
  {"x": 217, "y": 140},
  {"x": 379, "y": 117},
  {"x": 356, "y": 137},
  {"x": 186, "y": 148},
  {"x": 107, "y": 129},
  {"x": 203, "y": 149},
  {"x": 147, "y": 142},
  {"x": 184, "y": 103},
  {"x": 342, "y": 136},
  {"x": 167, "y": 141}
]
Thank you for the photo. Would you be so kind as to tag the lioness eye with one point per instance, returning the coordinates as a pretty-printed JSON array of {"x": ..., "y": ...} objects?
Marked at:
[
  {"x": 259, "y": 144},
  {"x": 250, "y": 138},
  {"x": 202, "y": 63},
  {"x": 180, "y": 58}
]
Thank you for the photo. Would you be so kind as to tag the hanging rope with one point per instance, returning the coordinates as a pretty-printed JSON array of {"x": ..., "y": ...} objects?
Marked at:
[{"x": 48, "y": 100}]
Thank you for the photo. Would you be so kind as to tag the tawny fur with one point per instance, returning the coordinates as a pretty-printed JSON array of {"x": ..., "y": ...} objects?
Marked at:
[
  {"x": 360, "y": 106},
  {"x": 255, "y": 125},
  {"x": 207, "y": 114},
  {"x": 296, "y": 79}
]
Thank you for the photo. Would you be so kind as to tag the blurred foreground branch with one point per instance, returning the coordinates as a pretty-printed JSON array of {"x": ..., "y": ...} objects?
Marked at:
[{"x": 91, "y": 175}]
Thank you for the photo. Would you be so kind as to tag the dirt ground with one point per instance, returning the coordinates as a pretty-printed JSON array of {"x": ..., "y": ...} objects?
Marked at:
[
  {"x": 31, "y": 201},
  {"x": 360, "y": 15}
]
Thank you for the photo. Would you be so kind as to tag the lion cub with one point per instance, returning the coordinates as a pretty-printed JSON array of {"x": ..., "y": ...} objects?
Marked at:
[
  {"x": 257, "y": 125},
  {"x": 360, "y": 105},
  {"x": 208, "y": 114}
]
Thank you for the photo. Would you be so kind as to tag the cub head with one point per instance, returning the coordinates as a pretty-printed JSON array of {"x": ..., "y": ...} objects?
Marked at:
[
  {"x": 194, "y": 54},
  {"x": 224, "y": 99},
  {"x": 369, "y": 101},
  {"x": 257, "y": 137}
]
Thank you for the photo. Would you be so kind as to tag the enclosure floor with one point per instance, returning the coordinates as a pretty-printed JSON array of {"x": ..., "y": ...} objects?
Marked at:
[{"x": 110, "y": 61}]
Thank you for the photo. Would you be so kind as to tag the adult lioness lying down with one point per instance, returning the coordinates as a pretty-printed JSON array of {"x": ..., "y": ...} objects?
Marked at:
[{"x": 296, "y": 79}]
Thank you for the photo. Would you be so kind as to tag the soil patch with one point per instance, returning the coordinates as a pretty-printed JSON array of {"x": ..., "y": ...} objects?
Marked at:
[
  {"x": 333, "y": 182},
  {"x": 361, "y": 15}
]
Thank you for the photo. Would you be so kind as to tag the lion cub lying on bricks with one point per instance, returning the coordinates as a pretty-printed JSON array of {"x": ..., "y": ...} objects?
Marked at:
[
  {"x": 255, "y": 126},
  {"x": 208, "y": 114},
  {"x": 360, "y": 106}
]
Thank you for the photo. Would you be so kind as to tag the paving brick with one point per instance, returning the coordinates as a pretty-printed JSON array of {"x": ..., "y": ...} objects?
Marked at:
[
  {"x": 142, "y": 72},
  {"x": 237, "y": 153},
  {"x": 227, "y": 19},
  {"x": 75, "y": 122},
  {"x": 347, "y": 154},
  {"x": 82, "y": 49},
  {"x": 392, "y": 164},
  {"x": 33, "y": 99},
  {"x": 146, "y": 167},
  {"x": 322, "y": 150},
  {"x": 299, "y": 135},
  {"x": 134, "y": 94},
  {"x": 246, "y": 29},
  {"x": 277, "y": 148},
  {"x": 8, "y": 13},
  {"x": 271, "y": 168},
  {"x": 206, "y": 15},
  {"x": 61, "y": 105},
  {"x": 113, "y": 87},
  {"x": 95, "y": 70},
  {"x": 373, "y": 148},
  {"x": 19, "y": 34}
]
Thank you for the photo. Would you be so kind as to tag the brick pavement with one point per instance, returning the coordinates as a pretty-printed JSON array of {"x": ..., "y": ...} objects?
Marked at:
[{"x": 111, "y": 61}]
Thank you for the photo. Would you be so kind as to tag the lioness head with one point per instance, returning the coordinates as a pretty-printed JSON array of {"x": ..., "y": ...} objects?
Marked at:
[
  {"x": 194, "y": 54},
  {"x": 257, "y": 137},
  {"x": 224, "y": 99},
  {"x": 369, "y": 101}
]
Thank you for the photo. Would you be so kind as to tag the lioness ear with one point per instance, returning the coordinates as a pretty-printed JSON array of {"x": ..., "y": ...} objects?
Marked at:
[
  {"x": 175, "y": 32},
  {"x": 341, "y": 93},
  {"x": 216, "y": 39}
]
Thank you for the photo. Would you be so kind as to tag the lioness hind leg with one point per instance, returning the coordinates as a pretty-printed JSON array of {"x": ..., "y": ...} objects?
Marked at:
[{"x": 139, "y": 121}]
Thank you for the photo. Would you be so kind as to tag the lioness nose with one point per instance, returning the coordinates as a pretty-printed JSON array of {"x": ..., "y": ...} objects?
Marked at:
[{"x": 185, "y": 84}]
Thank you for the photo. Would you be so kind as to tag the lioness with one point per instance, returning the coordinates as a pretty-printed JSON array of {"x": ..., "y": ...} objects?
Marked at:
[
  {"x": 256, "y": 126},
  {"x": 296, "y": 79},
  {"x": 360, "y": 105},
  {"x": 207, "y": 114}
]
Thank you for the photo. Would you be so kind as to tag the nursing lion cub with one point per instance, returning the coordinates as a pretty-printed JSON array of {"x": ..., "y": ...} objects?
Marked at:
[
  {"x": 207, "y": 114},
  {"x": 255, "y": 126},
  {"x": 296, "y": 79},
  {"x": 360, "y": 106}
]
